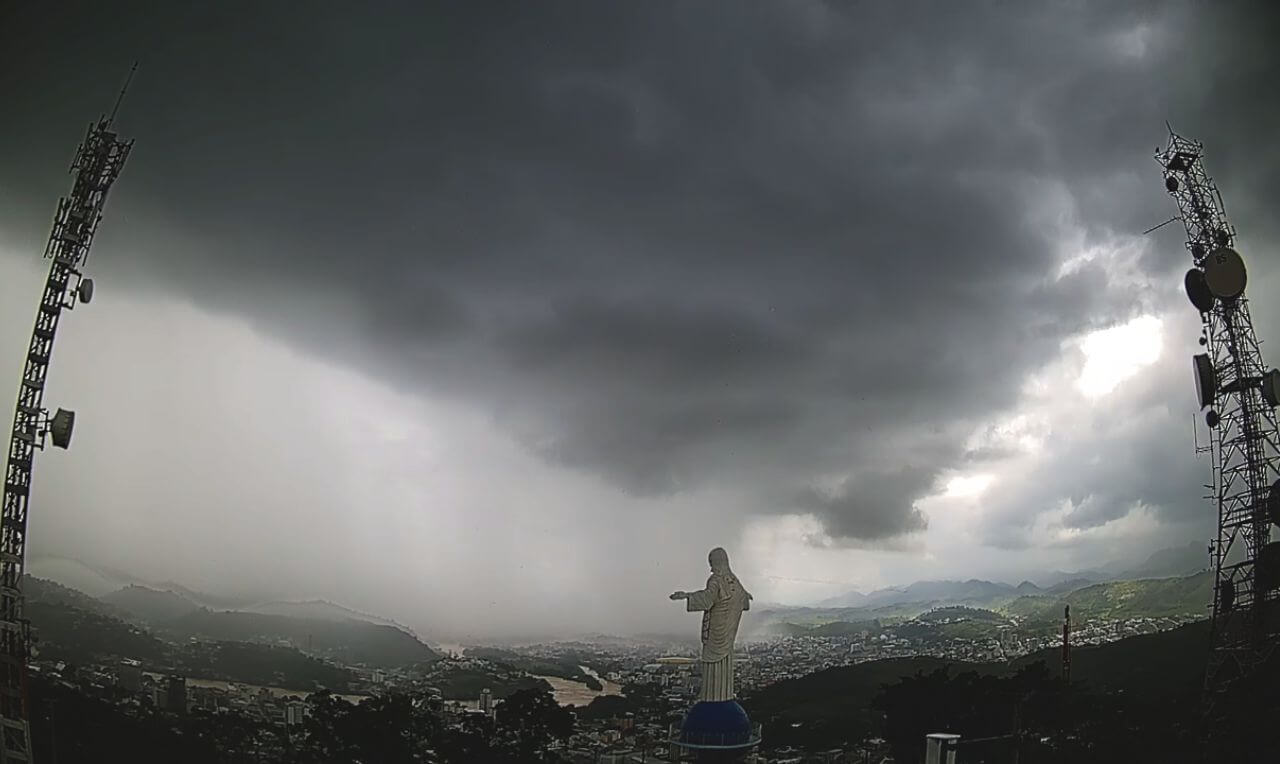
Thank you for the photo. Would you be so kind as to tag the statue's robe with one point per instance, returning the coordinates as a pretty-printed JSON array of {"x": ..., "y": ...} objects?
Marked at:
[{"x": 722, "y": 603}]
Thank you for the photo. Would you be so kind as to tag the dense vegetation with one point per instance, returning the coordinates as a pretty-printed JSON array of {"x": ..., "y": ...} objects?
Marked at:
[
  {"x": 1115, "y": 600},
  {"x": 80, "y": 637},
  {"x": 267, "y": 665},
  {"x": 456, "y": 683},
  {"x": 1133, "y": 700},
  {"x": 67, "y": 633},
  {"x": 70, "y": 726},
  {"x": 51, "y": 592}
]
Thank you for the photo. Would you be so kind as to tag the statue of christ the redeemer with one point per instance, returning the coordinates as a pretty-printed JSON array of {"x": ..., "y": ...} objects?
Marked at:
[{"x": 722, "y": 603}]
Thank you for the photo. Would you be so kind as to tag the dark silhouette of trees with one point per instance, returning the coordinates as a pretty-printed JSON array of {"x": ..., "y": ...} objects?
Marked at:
[
  {"x": 399, "y": 729},
  {"x": 385, "y": 728},
  {"x": 1039, "y": 716},
  {"x": 529, "y": 720}
]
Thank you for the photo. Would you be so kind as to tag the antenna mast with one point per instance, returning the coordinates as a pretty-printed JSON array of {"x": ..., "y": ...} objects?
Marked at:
[
  {"x": 1066, "y": 644},
  {"x": 1240, "y": 396},
  {"x": 97, "y": 164}
]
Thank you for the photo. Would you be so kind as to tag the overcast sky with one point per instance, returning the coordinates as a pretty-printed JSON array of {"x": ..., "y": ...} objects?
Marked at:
[{"x": 495, "y": 317}]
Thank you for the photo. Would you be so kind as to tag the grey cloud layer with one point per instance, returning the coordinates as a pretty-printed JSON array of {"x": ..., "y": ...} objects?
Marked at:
[{"x": 668, "y": 244}]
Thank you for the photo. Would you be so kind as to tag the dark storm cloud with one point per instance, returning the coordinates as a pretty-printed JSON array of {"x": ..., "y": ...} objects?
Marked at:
[
  {"x": 646, "y": 385},
  {"x": 664, "y": 243},
  {"x": 873, "y": 506}
]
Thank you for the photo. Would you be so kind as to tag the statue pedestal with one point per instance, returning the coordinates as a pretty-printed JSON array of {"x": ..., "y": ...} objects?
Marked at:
[{"x": 714, "y": 732}]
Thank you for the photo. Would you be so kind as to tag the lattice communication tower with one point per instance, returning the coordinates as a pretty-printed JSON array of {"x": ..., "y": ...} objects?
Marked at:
[
  {"x": 1239, "y": 397},
  {"x": 97, "y": 164}
]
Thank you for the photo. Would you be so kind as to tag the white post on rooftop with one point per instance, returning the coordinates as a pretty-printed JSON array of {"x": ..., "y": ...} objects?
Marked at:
[{"x": 940, "y": 748}]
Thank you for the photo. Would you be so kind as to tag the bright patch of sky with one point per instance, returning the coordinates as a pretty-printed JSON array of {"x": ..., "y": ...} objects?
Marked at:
[{"x": 1116, "y": 354}]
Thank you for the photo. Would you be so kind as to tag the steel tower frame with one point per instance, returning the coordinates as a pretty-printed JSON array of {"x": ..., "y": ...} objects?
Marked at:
[
  {"x": 97, "y": 165},
  {"x": 1243, "y": 446}
]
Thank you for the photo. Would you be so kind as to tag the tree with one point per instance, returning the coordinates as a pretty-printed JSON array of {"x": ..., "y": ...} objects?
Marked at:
[
  {"x": 529, "y": 720},
  {"x": 387, "y": 728}
]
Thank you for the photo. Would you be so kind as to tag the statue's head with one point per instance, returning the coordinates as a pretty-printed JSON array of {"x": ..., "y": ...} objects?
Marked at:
[{"x": 719, "y": 560}]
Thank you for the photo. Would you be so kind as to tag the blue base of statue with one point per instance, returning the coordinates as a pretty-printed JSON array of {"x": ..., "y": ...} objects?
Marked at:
[{"x": 719, "y": 724}]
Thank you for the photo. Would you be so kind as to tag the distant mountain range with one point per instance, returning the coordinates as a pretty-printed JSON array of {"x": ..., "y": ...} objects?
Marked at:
[
  {"x": 150, "y": 606},
  {"x": 100, "y": 580},
  {"x": 1165, "y": 563},
  {"x": 952, "y": 592},
  {"x": 1174, "y": 561},
  {"x": 318, "y": 610},
  {"x": 316, "y": 628},
  {"x": 136, "y": 595},
  {"x": 984, "y": 607}
]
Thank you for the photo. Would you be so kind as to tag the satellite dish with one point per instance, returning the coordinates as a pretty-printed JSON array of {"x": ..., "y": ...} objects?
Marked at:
[
  {"x": 86, "y": 291},
  {"x": 60, "y": 427},
  {"x": 1198, "y": 291},
  {"x": 1271, "y": 387},
  {"x": 1224, "y": 273},
  {"x": 1171, "y": 183},
  {"x": 1273, "y": 503},
  {"x": 1226, "y": 595},
  {"x": 1206, "y": 380},
  {"x": 1212, "y": 419},
  {"x": 1267, "y": 566}
]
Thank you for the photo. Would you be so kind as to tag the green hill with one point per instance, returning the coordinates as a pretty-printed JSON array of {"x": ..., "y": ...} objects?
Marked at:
[
  {"x": 829, "y": 707},
  {"x": 81, "y": 637},
  {"x": 52, "y": 593},
  {"x": 349, "y": 641},
  {"x": 261, "y": 665},
  {"x": 332, "y": 633},
  {"x": 962, "y": 613},
  {"x": 1157, "y": 664},
  {"x": 834, "y": 706},
  {"x": 1034, "y": 608},
  {"x": 67, "y": 633},
  {"x": 951, "y": 622},
  {"x": 150, "y": 606},
  {"x": 1115, "y": 600}
]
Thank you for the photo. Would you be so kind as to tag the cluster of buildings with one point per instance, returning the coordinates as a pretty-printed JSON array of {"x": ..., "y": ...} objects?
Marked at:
[
  {"x": 126, "y": 684},
  {"x": 1102, "y": 632}
]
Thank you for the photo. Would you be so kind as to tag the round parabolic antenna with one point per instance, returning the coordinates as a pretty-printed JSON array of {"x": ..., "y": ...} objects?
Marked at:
[
  {"x": 1271, "y": 387},
  {"x": 1206, "y": 379},
  {"x": 1273, "y": 503},
  {"x": 1268, "y": 563},
  {"x": 1198, "y": 291},
  {"x": 61, "y": 426},
  {"x": 1224, "y": 273}
]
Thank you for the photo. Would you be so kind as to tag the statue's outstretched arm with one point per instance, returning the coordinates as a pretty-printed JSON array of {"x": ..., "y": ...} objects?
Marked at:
[{"x": 704, "y": 599}]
